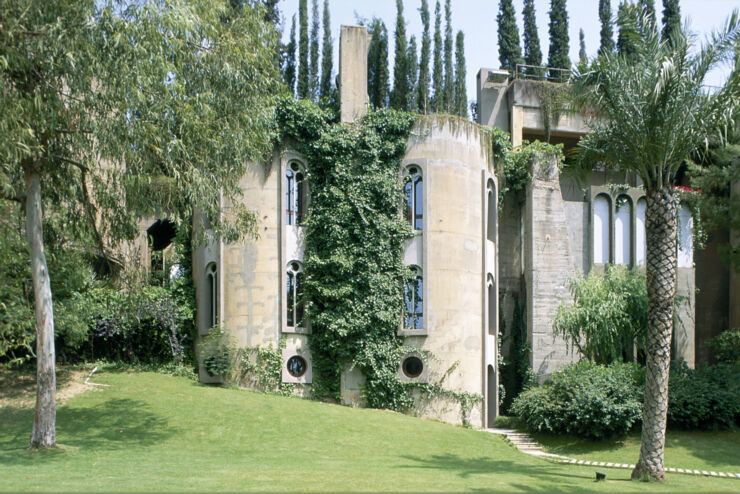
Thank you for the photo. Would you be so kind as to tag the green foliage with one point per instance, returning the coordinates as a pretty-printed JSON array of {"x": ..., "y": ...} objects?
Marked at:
[
  {"x": 303, "y": 70},
  {"x": 509, "y": 50},
  {"x": 584, "y": 399},
  {"x": 607, "y": 31},
  {"x": 354, "y": 239},
  {"x": 608, "y": 315},
  {"x": 399, "y": 94},
  {"x": 217, "y": 352},
  {"x": 460, "y": 106},
  {"x": 327, "y": 88},
  {"x": 558, "y": 53},
  {"x": 448, "y": 84},
  {"x": 516, "y": 164},
  {"x": 726, "y": 346},
  {"x": 313, "y": 67},
  {"x": 515, "y": 370},
  {"x": 553, "y": 100},
  {"x": 532, "y": 51},
  {"x": 423, "y": 98},
  {"x": 582, "y": 56},
  {"x": 437, "y": 67},
  {"x": 704, "y": 398},
  {"x": 412, "y": 75},
  {"x": 260, "y": 367},
  {"x": 289, "y": 71},
  {"x": 628, "y": 38},
  {"x": 671, "y": 18},
  {"x": 377, "y": 65}
]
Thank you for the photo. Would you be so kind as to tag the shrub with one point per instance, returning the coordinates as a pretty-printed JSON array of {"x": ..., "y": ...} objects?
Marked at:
[
  {"x": 584, "y": 399},
  {"x": 726, "y": 346},
  {"x": 217, "y": 353},
  {"x": 608, "y": 315},
  {"x": 704, "y": 398}
]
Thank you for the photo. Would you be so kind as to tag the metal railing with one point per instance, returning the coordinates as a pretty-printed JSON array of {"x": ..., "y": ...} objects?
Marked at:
[{"x": 541, "y": 73}]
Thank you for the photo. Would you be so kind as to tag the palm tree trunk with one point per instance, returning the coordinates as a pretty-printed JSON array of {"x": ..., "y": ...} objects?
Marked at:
[
  {"x": 43, "y": 434},
  {"x": 660, "y": 218}
]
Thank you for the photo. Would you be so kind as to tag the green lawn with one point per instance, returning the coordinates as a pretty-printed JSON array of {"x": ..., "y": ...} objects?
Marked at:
[
  {"x": 151, "y": 432},
  {"x": 718, "y": 451}
]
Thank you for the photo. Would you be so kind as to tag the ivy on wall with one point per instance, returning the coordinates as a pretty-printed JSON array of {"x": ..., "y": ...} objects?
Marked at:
[{"x": 353, "y": 246}]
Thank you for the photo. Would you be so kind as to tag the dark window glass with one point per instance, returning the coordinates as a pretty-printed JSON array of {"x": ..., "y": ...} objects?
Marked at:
[
  {"x": 212, "y": 280},
  {"x": 294, "y": 296},
  {"x": 414, "y": 302},
  {"x": 290, "y": 198},
  {"x": 296, "y": 366},
  {"x": 412, "y": 367},
  {"x": 414, "y": 198}
]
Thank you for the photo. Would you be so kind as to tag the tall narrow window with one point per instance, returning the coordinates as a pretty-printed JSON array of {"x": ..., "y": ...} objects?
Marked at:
[
  {"x": 414, "y": 300},
  {"x": 640, "y": 243},
  {"x": 491, "y": 226},
  {"x": 685, "y": 238},
  {"x": 601, "y": 226},
  {"x": 212, "y": 283},
  {"x": 294, "y": 295},
  {"x": 491, "y": 306},
  {"x": 294, "y": 194},
  {"x": 623, "y": 231},
  {"x": 413, "y": 190}
]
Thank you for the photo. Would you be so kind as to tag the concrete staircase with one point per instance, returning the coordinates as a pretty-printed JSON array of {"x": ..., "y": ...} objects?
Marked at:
[{"x": 523, "y": 442}]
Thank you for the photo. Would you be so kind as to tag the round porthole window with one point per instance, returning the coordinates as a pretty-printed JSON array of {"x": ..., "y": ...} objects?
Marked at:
[
  {"x": 297, "y": 366},
  {"x": 412, "y": 367}
]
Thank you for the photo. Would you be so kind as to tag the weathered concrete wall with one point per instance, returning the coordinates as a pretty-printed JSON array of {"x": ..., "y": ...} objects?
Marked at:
[
  {"x": 454, "y": 157},
  {"x": 547, "y": 265},
  {"x": 354, "y": 43},
  {"x": 493, "y": 104}
]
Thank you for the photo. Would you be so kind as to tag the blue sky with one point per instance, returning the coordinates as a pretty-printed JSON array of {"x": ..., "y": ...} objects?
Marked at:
[{"x": 477, "y": 19}]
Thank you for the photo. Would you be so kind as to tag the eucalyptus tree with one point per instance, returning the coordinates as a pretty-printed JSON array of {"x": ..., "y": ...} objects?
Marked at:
[
  {"x": 303, "y": 71},
  {"x": 412, "y": 64},
  {"x": 557, "y": 55},
  {"x": 449, "y": 76},
  {"x": 461, "y": 92},
  {"x": 289, "y": 70},
  {"x": 671, "y": 17},
  {"x": 654, "y": 115},
  {"x": 119, "y": 111},
  {"x": 509, "y": 49},
  {"x": 313, "y": 65},
  {"x": 327, "y": 56},
  {"x": 606, "y": 33},
  {"x": 399, "y": 93},
  {"x": 437, "y": 67},
  {"x": 532, "y": 51}
]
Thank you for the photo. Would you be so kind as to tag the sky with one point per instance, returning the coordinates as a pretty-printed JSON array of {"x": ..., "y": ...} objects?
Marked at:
[{"x": 477, "y": 19}]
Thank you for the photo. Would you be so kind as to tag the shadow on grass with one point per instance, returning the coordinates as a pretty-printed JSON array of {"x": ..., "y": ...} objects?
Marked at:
[
  {"x": 542, "y": 476},
  {"x": 111, "y": 425}
]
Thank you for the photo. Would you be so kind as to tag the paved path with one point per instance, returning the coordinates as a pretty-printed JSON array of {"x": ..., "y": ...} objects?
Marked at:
[{"x": 526, "y": 444}]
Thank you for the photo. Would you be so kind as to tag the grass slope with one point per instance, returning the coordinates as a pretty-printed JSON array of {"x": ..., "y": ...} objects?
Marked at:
[{"x": 150, "y": 432}]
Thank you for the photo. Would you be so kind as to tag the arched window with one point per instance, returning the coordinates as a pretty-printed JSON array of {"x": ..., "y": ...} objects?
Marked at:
[
  {"x": 640, "y": 243},
  {"x": 685, "y": 238},
  {"x": 212, "y": 287},
  {"x": 294, "y": 295},
  {"x": 491, "y": 199},
  {"x": 601, "y": 226},
  {"x": 413, "y": 297},
  {"x": 623, "y": 231},
  {"x": 491, "y": 305},
  {"x": 295, "y": 192},
  {"x": 414, "y": 193}
]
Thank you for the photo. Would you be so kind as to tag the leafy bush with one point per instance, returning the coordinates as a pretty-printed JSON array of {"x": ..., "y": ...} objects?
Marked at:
[
  {"x": 607, "y": 316},
  {"x": 584, "y": 399},
  {"x": 726, "y": 346},
  {"x": 704, "y": 398},
  {"x": 217, "y": 353}
]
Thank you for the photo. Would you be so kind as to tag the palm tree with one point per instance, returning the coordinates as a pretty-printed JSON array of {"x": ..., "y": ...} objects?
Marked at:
[{"x": 653, "y": 113}]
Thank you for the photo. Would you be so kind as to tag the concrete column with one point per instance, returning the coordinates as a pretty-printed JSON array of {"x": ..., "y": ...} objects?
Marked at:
[
  {"x": 354, "y": 43},
  {"x": 734, "y": 275},
  {"x": 517, "y": 122}
]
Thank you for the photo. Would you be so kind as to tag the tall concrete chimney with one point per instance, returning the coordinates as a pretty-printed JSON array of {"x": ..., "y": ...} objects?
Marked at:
[{"x": 354, "y": 43}]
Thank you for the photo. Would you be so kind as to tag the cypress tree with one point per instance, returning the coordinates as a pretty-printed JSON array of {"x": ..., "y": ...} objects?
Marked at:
[
  {"x": 377, "y": 65},
  {"x": 399, "y": 94},
  {"x": 327, "y": 52},
  {"x": 671, "y": 17},
  {"x": 303, "y": 89},
  {"x": 412, "y": 61},
  {"x": 532, "y": 52},
  {"x": 313, "y": 71},
  {"x": 289, "y": 73},
  {"x": 558, "y": 55},
  {"x": 582, "y": 56},
  {"x": 607, "y": 30},
  {"x": 426, "y": 42},
  {"x": 449, "y": 74},
  {"x": 509, "y": 51},
  {"x": 461, "y": 92},
  {"x": 627, "y": 24},
  {"x": 437, "y": 70}
]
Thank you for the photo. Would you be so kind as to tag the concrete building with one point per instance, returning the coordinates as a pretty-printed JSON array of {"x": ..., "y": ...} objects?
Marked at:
[{"x": 469, "y": 257}]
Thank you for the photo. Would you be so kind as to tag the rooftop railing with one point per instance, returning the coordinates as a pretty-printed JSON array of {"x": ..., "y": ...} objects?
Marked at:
[{"x": 541, "y": 73}]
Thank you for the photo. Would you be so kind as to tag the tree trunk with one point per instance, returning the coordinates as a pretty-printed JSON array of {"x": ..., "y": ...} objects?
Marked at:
[
  {"x": 43, "y": 434},
  {"x": 660, "y": 218}
]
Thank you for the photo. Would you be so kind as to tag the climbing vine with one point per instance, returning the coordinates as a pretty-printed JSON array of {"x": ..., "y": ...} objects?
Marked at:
[
  {"x": 353, "y": 246},
  {"x": 553, "y": 99}
]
